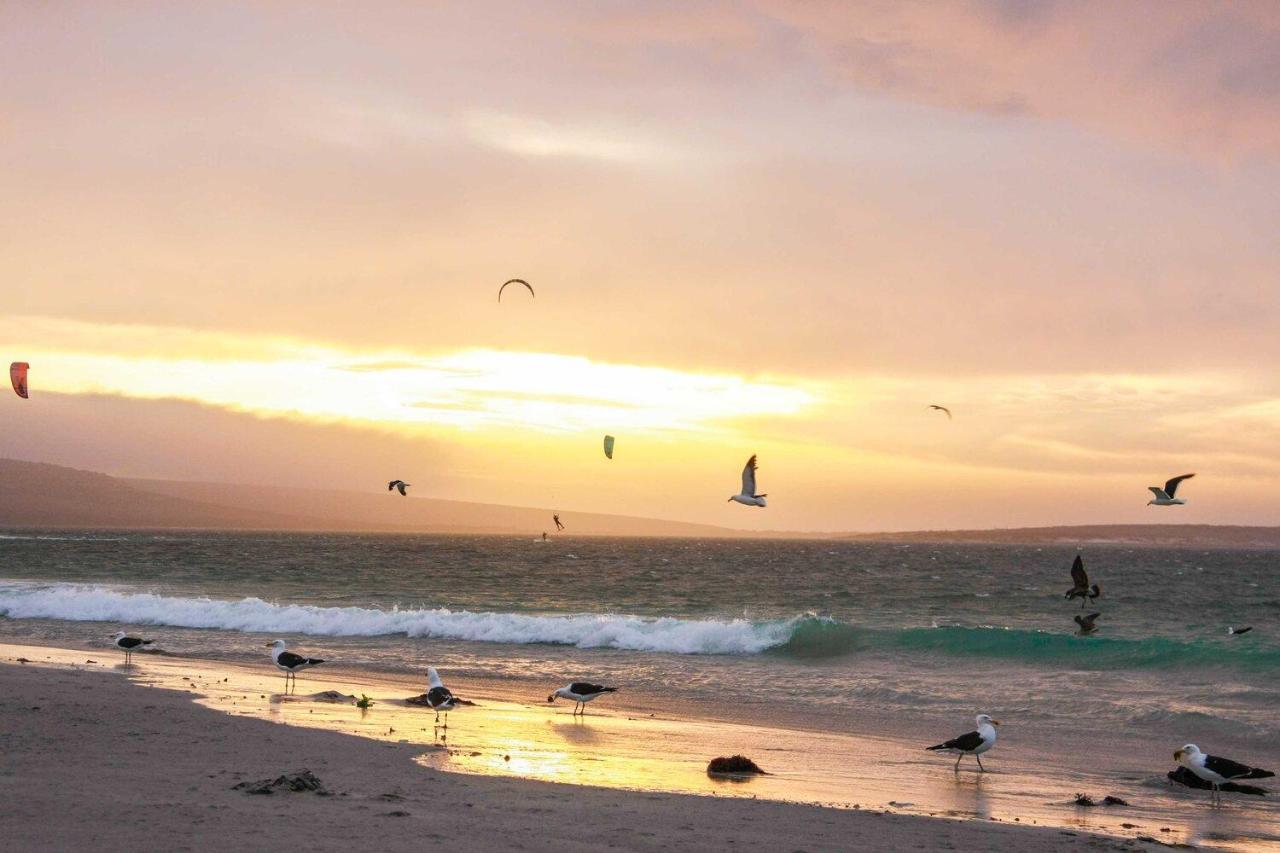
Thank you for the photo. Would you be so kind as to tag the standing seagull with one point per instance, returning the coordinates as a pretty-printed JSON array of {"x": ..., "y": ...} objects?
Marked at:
[
  {"x": 1215, "y": 770},
  {"x": 748, "y": 495},
  {"x": 290, "y": 663},
  {"x": 1080, "y": 584},
  {"x": 1165, "y": 496},
  {"x": 438, "y": 697},
  {"x": 1087, "y": 623},
  {"x": 127, "y": 645},
  {"x": 582, "y": 692},
  {"x": 399, "y": 484},
  {"x": 974, "y": 743},
  {"x": 938, "y": 408}
]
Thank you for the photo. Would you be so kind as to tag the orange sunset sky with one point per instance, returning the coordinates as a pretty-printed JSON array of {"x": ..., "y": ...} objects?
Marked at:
[{"x": 262, "y": 243}]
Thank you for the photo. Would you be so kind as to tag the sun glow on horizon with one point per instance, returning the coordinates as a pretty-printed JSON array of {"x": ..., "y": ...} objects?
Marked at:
[{"x": 467, "y": 389}]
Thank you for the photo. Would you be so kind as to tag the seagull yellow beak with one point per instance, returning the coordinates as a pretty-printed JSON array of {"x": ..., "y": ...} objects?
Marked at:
[
  {"x": 995, "y": 722},
  {"x": 1177, "y": 755}
]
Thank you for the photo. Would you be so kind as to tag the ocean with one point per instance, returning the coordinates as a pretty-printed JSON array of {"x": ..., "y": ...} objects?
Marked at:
[{"x": 841, "y": 630}]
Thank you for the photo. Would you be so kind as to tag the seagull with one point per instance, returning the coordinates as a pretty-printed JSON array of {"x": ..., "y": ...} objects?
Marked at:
[
  {"x": 1165, "y": 496},
  {"x": 438, "y": 697},
  {"x": 1086, "y": 623},
  {"x": 582, "y": 692},
  {"x": 1235, "y": 632},
  {"x": 1215, "y": 770},
  {"x": 748, "y": 495},
  {"x": 974, "y": 743},
  {"x": 128, "y": 644},
  {"x": 938, "y": 408},
  {"x": 290, "y": 663},
  {"x": 399, "y": 484},
  {"x": 1080, "y": 581},
  {"x": 515, "y": 281}
]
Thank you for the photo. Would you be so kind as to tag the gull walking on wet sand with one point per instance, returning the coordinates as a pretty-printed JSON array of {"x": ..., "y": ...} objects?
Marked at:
[
  {"x": 1216, "y": 770},
  {"x": 290, "y": 663},
  {"x": 127, "y": 644},
  {"x": 581, "y": 692},
  {"x": 971, "y": 743}
]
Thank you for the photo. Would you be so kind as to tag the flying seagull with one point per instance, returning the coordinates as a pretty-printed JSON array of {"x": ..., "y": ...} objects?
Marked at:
[
  {"x": 1165, "y": 496},
  {"x": 399, "y": 484},
  {"x": 1080, "y": 584},
  {"x": 128, "y": 644},
  {"x": 938, "y": 408},
  {"x": 748, "y": 495},
  {"x": 515, "y": 281},
  {"x": 439, "y": 699},
  {"x": 974, "y": 743},
  {"x": 290, "y": 663},
  {"x": 1215, "y": 770},
  {"x": 1235, "y": 632},
  {"x": 1086, "y": 623},
  {"x": 581, "y": 692}
]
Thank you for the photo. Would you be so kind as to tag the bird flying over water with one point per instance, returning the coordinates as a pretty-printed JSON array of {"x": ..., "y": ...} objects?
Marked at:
[
  {"x": 1087, "y": 623},
  {"x": 128, "y": 645},
  {"x": 1080, "y": 584},
  {"x": 1216, "y": 770},
  {"x": 515, "y": 281},
  {"x": 938, "y": 408},
  {"x": 290, "y": 663},
  {"x": 1165, "y": 496},
  {"x": 748, "y": 494},
  {"x": 1235, "y": 632},
  {"x": 399, "y": 484},
  {"x": 972, "y": 743},
  {"x": 581, "y": 692}
]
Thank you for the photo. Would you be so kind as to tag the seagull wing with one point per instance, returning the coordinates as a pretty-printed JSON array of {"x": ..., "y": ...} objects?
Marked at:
[
  {"x": 1078, "y": 575},
  {"x": 749, "y": 477},
  {"x": 1158, "y": 492},
  {"x": 966, "y": 742},
  {"x": 1171, "y": 487},
  {"x": 402, "y": 487},
  {"x": 941, "y": 409},
  {"x": 290, "y": 660},
  {"x": 392, "y": 485},
  {"x": 585, "y": 688},
  {"x": 1229, "y": 769}
]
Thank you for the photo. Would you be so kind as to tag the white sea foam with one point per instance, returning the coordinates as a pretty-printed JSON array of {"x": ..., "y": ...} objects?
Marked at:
[{"x": 635, "y": 633}]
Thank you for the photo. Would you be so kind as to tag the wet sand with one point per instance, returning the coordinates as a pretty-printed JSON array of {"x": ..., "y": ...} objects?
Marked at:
[{"x": 97, "y": 755}]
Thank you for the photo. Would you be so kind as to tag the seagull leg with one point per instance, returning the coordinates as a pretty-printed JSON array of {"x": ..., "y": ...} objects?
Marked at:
[
  {"x": 957, "y": 767},
  {"x": 979, "y": 760}
]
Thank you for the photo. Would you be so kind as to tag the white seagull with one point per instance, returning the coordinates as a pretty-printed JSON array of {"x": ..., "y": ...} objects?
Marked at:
[
  {"x": 973, "y": 743},
  {"x": 290, "y": 663},
  {"x": 128, "y": 644},
  {"x": 582, "y": 692},
  {"x": 399, "y": 484},
  {"x": 438, "y": 697},
  {"x": 748, "y": 495},
  {"x": 1165, "y": 496},
  {"x": 1215, "y": 770}
]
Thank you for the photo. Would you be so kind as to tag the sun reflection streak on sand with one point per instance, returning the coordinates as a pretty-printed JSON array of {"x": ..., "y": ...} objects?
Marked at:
[{"x": 515, "y": 733}]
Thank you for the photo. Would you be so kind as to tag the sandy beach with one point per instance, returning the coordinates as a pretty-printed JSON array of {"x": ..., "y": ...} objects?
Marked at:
[{"x": 97, "y": 756}]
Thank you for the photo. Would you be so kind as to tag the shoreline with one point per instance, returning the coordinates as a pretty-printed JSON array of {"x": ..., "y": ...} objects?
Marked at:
[{"x": 505, "y": 751}]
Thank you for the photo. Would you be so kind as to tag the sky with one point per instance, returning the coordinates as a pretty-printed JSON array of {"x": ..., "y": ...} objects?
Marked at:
[{"x": 262, "y": 243}]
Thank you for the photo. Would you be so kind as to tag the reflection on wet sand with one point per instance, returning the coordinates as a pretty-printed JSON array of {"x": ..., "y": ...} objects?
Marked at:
[{"x": 509, "y": 733}]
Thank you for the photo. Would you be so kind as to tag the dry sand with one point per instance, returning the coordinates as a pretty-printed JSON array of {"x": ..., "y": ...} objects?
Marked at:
[{"x": 95, "y": 760}]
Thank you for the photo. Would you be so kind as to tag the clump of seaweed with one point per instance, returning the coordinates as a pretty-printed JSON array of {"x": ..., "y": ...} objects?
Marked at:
[{"x": 735, "y": 764}]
